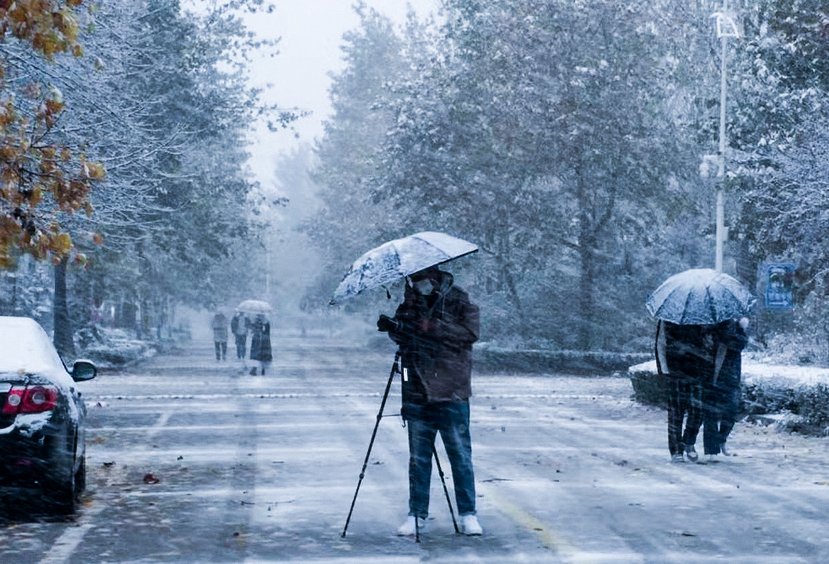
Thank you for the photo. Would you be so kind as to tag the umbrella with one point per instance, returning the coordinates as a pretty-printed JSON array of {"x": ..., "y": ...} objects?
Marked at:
[
  {"x": 699, "y": 296},
  {"x": 398, "y": 258},
  {"x": 254, "y": 306}
]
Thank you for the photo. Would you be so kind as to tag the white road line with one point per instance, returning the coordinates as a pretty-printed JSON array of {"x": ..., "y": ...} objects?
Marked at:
[
  {"x": 65, "y": 545},
  {"x": 159, "y": 424}
]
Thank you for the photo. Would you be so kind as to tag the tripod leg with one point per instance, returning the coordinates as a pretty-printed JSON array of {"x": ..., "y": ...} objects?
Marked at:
[
  {"x": 445, "y": 490},
  {"x": 371, "y": 442}
]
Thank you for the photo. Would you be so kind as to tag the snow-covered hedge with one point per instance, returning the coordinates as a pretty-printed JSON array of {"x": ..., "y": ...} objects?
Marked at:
[
  {"x": 491, "y": 358},
  {"x": 800, "y": 392},
  {"x": 111, "y": 348}
]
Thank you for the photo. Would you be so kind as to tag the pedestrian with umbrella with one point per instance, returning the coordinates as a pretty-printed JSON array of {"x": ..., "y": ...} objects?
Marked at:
[
  {"x": 723, "y": 401},
  {"x": 260, "y": 343},
  {"x": 434, "y": 328},
  {"x": 687, "y": 306},
  {"x": 260, "y": 331}
]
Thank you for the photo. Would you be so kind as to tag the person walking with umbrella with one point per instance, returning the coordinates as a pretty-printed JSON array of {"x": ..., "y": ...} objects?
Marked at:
[
  {"x": 687, "y": 306},
  {"x": 683, "y": 357},
  {"x": 435, "y": 328},
  {"x": 260, "y": 343},
  {"x": 722, "y": 398}
]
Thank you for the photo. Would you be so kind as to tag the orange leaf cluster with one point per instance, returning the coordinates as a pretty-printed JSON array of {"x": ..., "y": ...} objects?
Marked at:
[
  {"x": 37, "y": 180},
  {"x": 50, "y": 26}
]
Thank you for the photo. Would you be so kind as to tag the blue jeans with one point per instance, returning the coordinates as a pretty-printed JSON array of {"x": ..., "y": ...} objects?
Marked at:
[{"x": 451, "y": 419}]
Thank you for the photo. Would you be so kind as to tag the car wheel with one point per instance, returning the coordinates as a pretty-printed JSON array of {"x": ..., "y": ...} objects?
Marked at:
[
  {"x": 80, "y": 478},
  {"x": 64, "y": 494}
]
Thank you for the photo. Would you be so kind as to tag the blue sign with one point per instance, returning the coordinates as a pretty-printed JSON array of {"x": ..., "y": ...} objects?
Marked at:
[{"x": 779, "y": 282}]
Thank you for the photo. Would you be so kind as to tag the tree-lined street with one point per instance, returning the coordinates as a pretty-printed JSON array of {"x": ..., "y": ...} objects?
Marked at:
[{"x": 190, "y": 460}]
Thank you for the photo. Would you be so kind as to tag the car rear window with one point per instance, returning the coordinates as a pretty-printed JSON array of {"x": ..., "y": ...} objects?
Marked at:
[{"x": 25, "y": 346}]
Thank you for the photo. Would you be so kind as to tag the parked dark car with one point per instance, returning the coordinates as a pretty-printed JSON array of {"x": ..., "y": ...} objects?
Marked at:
[{"x": 41, "y": 416}]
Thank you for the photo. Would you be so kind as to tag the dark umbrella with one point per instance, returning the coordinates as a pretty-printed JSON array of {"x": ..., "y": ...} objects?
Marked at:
[
  {"x": 395, "y": 259},
  {"x": 699, "y": 296}
]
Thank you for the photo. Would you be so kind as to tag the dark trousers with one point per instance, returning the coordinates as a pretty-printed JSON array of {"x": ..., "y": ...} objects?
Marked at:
[
  {"x": 451, "y": 419},
  {"x": 721, "y": 408},
  {"x": 221, "y": 349},
  {"x": 684, "y": 400},
  {"x": 241, "y": 345}
]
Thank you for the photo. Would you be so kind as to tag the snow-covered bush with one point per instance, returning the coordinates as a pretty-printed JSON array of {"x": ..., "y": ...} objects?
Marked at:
[{"x": 801, "y": 393}]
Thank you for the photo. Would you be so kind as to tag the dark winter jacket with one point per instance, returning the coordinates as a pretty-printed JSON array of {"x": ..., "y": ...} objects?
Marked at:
[
  {"x": 239, "y": 325},
  {"x": 729, "y": 341},
  {"x": 260, "y": 342},
  {"x": 435, "y": 335},
  {"x": 684, "y": 351}
]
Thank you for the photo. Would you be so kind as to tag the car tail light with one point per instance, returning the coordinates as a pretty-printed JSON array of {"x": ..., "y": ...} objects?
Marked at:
[{"x": 31, "y": 399}]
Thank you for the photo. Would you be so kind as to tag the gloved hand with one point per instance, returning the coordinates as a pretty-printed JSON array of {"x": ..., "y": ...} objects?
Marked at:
[{"x": 386, "y": 323}]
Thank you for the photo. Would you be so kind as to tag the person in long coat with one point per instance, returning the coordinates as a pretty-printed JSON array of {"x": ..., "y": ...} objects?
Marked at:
[
  {"x": 435, "y": 328},
  {"x": 260, "y": 343},
  {"x": 722, "y": 398},
  {"x": 684, "y": 357}
]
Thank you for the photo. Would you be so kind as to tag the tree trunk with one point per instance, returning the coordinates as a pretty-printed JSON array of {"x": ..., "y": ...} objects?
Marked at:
[
  {"x": 62, "y": 324},
  {"x": 586, "y": 299}
]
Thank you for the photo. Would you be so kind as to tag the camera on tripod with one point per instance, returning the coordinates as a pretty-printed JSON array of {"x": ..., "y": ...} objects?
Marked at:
[{"x": 386, "y": 324}]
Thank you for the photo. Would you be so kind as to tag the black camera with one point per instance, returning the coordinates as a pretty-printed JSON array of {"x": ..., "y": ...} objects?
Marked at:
[{"x": 386, "y": 323}]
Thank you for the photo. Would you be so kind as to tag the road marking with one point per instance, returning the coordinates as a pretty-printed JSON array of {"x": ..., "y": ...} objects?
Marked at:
[
  {"x": 558, "y": 545},
  {"x": 159, "y": 424},
  {"x": 65, "y": 545}
]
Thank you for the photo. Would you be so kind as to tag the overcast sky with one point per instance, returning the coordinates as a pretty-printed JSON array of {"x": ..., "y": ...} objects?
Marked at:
[{"x": 311, "y": 34}]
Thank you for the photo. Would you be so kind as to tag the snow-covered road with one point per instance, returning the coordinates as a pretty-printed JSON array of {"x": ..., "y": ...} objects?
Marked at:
[{"x": 568, "y": 468}]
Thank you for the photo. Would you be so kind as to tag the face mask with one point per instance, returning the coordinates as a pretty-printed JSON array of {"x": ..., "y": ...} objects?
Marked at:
[{"x": 424, "y": 287}]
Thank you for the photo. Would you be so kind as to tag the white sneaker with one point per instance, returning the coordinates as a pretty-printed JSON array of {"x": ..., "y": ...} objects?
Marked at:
[
  {"x": 470, "y": 525},
  {"x": 407, "y": 529}
]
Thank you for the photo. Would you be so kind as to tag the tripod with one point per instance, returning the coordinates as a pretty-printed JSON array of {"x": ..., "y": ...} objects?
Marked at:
[{"x": 395, "y": 369}]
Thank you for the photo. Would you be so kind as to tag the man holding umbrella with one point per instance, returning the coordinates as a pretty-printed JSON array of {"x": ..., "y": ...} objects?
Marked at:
[{"x": 435, "y": 328}]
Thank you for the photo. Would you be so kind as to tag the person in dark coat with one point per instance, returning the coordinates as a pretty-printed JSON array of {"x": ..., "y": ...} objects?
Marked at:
[
  {"x": 260, "y": 343},
  {"x": 239, "y": 328},
  {"x": 684, "y": 358},
  {"x": 435, "y": 328},
  {"x": 722, "y": 398}
]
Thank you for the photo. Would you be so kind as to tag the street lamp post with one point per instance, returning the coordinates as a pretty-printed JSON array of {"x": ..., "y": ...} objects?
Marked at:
[{"x": 726, "y": 27}]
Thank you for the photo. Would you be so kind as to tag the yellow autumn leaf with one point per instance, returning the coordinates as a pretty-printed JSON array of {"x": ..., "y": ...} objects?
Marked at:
[{"x": 62, "y": 243}]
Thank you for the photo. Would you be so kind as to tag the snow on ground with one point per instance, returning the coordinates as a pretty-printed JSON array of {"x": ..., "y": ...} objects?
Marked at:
[{"x": 568, "y": 469}]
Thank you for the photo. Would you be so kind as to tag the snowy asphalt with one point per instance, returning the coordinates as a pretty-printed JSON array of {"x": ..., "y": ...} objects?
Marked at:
[{"x": 190, "y": 460}]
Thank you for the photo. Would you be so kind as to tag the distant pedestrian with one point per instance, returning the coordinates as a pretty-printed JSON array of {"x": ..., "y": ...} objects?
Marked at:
[
  {"x": 239, "y": 328},
  {"x": 219, "y": 325},
  {"x": 684, "y": 358},
  {"x": 722, "y": 397},
  {"x": 260, "y": 343}
]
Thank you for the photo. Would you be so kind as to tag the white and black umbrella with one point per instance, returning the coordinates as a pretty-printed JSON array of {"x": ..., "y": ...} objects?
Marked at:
[
  {"x": 254, "y": 307},
  {"x": 396, "y": 259},
  {"x": 700, "y": 296}
]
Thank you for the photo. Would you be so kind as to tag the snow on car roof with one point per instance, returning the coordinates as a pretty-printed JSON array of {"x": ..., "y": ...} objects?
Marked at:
[{"x": 25, "y": 347}]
